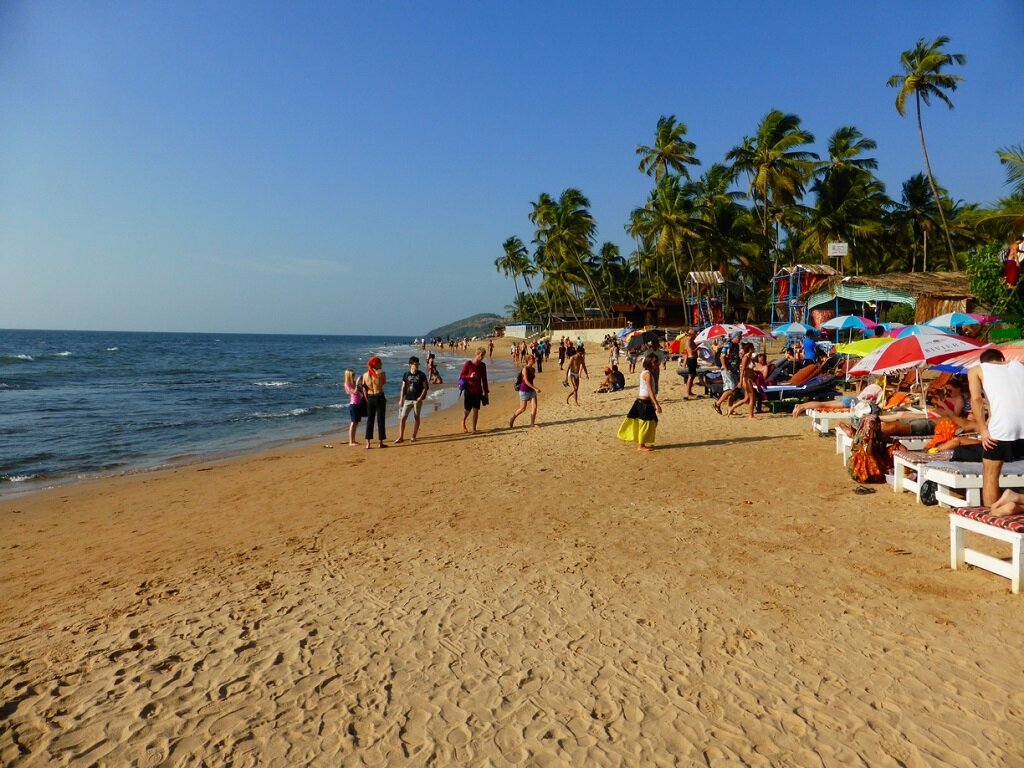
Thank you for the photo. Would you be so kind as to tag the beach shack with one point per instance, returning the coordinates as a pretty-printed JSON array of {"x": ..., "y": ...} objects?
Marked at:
[
  {"x": 660, "y": 312},
  {"x": 789, "y": 290},
  {"x": 930, "y": 294},
  {"x": 707, "y": 294}
]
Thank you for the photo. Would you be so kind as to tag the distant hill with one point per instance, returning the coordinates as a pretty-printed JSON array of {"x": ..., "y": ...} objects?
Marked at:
[{"x": 475, "y": 325}]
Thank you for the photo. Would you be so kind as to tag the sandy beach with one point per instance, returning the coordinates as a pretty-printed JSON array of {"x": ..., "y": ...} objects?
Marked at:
[{"x": 516, "y": 597}]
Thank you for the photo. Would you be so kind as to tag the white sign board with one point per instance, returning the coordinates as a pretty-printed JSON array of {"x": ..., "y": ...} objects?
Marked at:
[{"x": 838, "y": 249}]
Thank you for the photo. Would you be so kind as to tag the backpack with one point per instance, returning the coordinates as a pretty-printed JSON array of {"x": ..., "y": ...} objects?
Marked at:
[{"x": 519, "y": 382}]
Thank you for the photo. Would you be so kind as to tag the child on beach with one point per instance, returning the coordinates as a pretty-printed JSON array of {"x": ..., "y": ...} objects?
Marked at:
[
  {"x": 527, "y": 393},
  {"x": 641, "y": 423},
  {"x": 355, "y": 404}
]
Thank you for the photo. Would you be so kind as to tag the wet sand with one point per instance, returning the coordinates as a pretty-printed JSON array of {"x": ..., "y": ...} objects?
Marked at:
[{"x": 523, "y": 597}]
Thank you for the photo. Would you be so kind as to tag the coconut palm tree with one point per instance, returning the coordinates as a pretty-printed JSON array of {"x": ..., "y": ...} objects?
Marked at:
[
  {"x": 777, "y": 169},
  {"x": 515, "y": 261},
  {"x": 566, "y": 229},
  {"x": 917, "y": 212},
  {"x": 671, "y": 153},
  {"x": 665, "y": 221},
  {"x": 923, "y": 78},
  {"x": 845, "y": 149}
]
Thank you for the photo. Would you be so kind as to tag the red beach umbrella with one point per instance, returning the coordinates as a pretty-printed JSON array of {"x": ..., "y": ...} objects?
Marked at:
[
  {"x": 715, "y": 331},
  {"x": 915, "y": 351}
]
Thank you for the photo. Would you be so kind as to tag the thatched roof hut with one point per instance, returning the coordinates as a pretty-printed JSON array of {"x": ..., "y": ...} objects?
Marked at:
[{"x": 930, "y": 293}]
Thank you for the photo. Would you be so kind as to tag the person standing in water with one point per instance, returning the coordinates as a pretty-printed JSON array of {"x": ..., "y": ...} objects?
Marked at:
[{"x": 373, "y": 382}]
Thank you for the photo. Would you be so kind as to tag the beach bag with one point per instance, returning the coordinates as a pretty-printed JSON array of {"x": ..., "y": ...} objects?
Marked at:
[
  {"x": 870, "y": 458},
  {"x": 519, "y": 382}
]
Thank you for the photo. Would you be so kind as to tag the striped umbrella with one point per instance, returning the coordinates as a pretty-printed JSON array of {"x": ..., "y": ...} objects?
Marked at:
[
  {"x": 914, "y": 352},
  {"x": 952, "y": 320},
  {"x": 792, "y": 329}
]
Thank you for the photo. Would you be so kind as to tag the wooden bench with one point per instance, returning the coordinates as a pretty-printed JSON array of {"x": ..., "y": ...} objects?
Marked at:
[{"x": 977, "y": 520}]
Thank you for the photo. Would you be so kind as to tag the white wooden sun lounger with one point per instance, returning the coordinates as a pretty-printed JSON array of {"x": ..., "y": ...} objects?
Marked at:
[
  {"x": 908, "y": 466},
  {"x": 1008, "y": 529},
  {"x": 825, "y": 421},
  {"x": 958, "y": 483}
]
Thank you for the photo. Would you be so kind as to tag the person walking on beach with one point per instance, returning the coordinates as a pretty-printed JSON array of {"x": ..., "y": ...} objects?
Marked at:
[
  {"x": 528, "y": 392},
  {"x": 355, "y": 404},
  {"x": 690, "y": 357},
  {"x": 561, "y": 353},
  {"x": 1002, "y": 432},
  {"x": 373, "y": 382},
  {"x": 474, "y": 374},
  {"x": 415, "y": 386},
  {"x": 641, "y": 423},
  {"x": 577, "y": 363},
  {"x": 730, "y": 362},
  {"x": 490, "y": 349},
  {"x": 746, "y": 381}
]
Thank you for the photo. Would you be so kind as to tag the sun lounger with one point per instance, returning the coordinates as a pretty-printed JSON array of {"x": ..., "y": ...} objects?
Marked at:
[
  {"x": 908, "y": 466},
  {"x": 824, "y": 421},
  {"x": 958, "y": 483},
  {"x": 977, "y": 520}
]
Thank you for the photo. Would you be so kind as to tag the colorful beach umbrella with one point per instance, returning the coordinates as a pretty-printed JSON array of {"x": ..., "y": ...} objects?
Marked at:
[
  {"x": 952, "y": 320},
  {"x": 792, "y": 329},
  {"x": 864, "y": 346},
  {"x": 892, "y": 326},
  {"x": 984, "y": 319},
  {"x": 716, "y": 331},
  {"x": 751, "y": 331},
  {"x": 1012, "y": 350},
  {"x": 849, "y": 323},
  {"x": 917, "y": 330},
  {"x": 913, "y": 352}
]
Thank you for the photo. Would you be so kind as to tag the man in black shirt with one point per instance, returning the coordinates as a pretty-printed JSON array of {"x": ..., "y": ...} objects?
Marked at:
[{"x": 414, "y": 390}]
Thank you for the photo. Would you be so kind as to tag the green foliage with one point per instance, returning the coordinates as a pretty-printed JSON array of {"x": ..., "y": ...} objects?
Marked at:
[
  {"x": 985, "y": 278},
  {"x": 900, "y": 313}
]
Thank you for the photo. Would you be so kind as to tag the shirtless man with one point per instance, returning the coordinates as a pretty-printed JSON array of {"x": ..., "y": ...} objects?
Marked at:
[
  {"x": 577, "y": 363},
  {"x": 690, "y": 358}
]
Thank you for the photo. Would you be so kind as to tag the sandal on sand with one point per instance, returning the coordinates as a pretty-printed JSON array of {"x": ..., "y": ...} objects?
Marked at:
[
  {"x": 717, "y": 407},
  {"x": 863, "y": 490}
]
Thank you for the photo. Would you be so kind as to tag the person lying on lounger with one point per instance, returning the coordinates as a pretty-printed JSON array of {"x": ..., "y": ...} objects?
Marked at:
[
  {"x": 872, "y": 393},
  {"x": 943, "y": 404}
]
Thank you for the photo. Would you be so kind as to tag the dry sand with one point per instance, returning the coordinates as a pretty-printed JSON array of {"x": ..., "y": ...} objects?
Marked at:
[{"x": 528, "y": 597}]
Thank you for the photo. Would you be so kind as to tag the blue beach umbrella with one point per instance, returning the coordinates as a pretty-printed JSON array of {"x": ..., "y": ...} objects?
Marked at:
[
  {"x": 952, "y": 320},
  {"x": 849, "y": 323},
  {"x": 892, "y": 326},
  {"x": 916, "y": 330},
  {"x": 792, "y": 329}
]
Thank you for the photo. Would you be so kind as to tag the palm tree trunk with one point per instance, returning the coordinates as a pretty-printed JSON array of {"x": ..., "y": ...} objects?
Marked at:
[
  {"x": 924, "y": 251},
  {"x": 931, "y": 180}
]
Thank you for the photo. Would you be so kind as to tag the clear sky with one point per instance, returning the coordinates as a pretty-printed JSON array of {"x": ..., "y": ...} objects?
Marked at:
[{"x": 345, "y": 167}]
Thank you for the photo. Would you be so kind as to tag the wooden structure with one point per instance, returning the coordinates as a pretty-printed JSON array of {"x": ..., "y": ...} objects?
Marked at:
[
  {"x": 659, "y": 312},
  {"x": 930, "y": 293},
  {"x": 789, "y": 288},
  {"x": 707, "y": 295}
]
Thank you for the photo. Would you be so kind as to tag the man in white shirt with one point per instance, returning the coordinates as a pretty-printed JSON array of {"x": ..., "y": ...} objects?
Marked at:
[{"x": 1002, "y": 431}]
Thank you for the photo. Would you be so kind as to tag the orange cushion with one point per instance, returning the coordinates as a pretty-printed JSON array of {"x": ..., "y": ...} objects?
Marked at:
[
  {"x": 804, "y": 374},
  {"x": 898, "y": 399}
]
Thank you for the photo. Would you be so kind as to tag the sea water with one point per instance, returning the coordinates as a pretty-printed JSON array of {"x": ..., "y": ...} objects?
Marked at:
[{"x": 76, "y": 404}]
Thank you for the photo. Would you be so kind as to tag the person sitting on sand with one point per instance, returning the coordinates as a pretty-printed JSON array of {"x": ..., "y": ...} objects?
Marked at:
[
  {"x": 618, "y": 379},
  {"x": 607, "y": 384}
]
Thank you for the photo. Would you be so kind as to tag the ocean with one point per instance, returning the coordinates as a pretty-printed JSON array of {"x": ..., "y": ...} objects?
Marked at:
[{"x": 80, "y": 404}]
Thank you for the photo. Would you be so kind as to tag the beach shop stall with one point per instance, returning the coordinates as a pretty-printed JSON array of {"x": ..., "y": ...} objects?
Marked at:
[
  {"x": 930, "y": 294},
  {"x": 707, "y": 294},
  {"x": 789, "y": 289}
]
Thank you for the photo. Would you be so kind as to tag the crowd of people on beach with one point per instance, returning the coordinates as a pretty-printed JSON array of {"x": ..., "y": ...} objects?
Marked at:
[{"x": 988, "y": 402}]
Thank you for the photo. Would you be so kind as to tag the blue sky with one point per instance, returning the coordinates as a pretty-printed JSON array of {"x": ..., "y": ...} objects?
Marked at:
[{"x": 354, "y": 168}]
